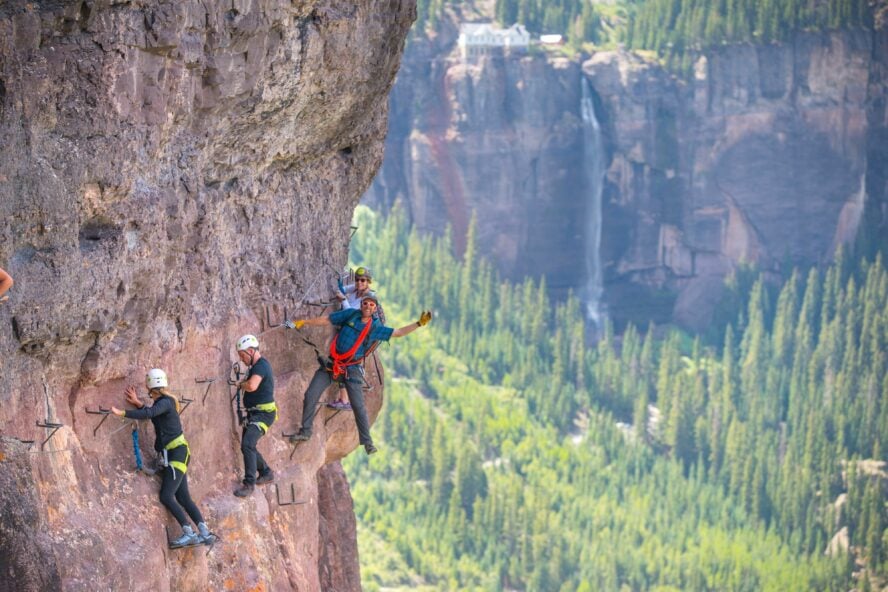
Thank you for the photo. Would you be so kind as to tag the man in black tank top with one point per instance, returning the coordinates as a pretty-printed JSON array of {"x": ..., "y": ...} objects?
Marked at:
[{"x": 258, "y": 388}]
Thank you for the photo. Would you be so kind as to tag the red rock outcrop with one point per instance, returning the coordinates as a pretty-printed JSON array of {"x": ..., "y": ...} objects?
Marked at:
[{"x": 170, "y": 169}]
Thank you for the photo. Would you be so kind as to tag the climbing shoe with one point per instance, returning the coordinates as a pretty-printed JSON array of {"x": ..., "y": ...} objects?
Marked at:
[
  {"x": 300, "y": 436},
  {"x": 187, "y": 539},
  {"x": 370, "y": 448},
  {"x": 244, "y": 490},
  {"x": 264, "y": 478}
]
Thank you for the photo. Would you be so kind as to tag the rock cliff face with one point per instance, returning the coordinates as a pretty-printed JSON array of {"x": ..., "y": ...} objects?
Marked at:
[
  {"x": 497, "y": 137},
  {"x": 169, "y": 170},
  {"x": 770, "y": 154}
]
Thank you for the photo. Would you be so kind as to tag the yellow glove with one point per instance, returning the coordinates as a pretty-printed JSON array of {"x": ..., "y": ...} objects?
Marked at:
[
  {"x": 294, "y": 324},
  {"x": 424, "y": 318}
]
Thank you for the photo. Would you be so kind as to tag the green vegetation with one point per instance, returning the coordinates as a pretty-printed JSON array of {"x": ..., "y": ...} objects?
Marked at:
[
  {"x": 673, "y": 25},
  {"x": 514, "y": 456},
  {"x": 676, "y": 30},
  {"x": 576, "y": 20}
]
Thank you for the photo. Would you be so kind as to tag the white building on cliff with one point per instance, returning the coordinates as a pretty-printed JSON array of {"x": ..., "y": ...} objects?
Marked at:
[{"x": 483, "y": 38}]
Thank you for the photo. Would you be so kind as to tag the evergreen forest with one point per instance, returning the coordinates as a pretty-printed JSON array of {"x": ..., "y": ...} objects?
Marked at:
[
  {"x": 674, "y": 29},
  {"x": 515, "y": 455}
]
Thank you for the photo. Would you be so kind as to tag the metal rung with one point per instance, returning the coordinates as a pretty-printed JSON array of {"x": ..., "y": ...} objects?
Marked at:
[
  {"x": 209, "y": 382},
  {"x": 322, "y": 304},
  {"x": 292, "y": 502},
  {"x": 295, "y": 444},
  {"x": 101, "y": 411},
  {"x": 187, "y": 403},
  {"x": 335, "y": 413},
  {"x": 49, "y": 425},
  {"x": 30, "y": 443},
  {"x": 269, "y": 324}
]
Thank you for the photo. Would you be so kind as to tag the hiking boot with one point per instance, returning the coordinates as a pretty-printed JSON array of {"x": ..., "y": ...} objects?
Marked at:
[
  {"x": 370, "y": 448},
  {"x": 300, "y": 436},
  {"x": 206, "y": 537},
  {"x": 188, "y": 538},
  {"x": 244, "y": 490},
  {"x": 344, "y": 406},
  {"x": 266, "y": 477}
]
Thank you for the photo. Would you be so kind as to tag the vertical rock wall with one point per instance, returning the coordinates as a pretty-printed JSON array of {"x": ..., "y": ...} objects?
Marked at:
[
  {"x": 170, "y": 168},
  {"x": 765, "y": 156},
  {"x": 496, "y": 137}
]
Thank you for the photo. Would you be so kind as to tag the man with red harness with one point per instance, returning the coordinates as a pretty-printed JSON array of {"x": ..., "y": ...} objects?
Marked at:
[{"x": 357, "y": 331}]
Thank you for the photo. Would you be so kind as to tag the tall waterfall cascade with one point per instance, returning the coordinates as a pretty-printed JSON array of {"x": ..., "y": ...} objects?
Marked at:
[{"x": 594, "y": 169}]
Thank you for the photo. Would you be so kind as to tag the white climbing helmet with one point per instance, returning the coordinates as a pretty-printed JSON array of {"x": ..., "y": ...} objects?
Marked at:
[
  {"x": 246, "y": 342},
  {"x": 156, "y": 378}
]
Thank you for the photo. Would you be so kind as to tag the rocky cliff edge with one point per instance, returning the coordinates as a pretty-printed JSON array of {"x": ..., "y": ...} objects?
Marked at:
[{"x": 170, "y": 171}]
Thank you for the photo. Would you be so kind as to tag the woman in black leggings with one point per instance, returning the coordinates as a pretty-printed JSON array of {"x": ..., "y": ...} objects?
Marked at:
[{"x": 170, "y": 442}]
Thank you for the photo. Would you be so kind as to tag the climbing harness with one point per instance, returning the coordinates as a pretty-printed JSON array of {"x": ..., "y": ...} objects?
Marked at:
[
  {"x": 340, "y": 362},
  {"x": 177, "y": 464},
  {"x": 263, "y": 408}
]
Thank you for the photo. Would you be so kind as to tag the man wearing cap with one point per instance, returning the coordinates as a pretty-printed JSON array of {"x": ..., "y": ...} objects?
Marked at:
[
  {"x": 357, "y": 330},
  {"x": 258, "y": 388}
]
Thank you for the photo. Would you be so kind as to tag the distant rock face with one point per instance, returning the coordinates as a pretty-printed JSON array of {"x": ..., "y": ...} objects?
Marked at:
[
  {"x": 500, "y": 138},
  {"x": 765, "y": 156},
  {"x": 770, "y": 154},
  {"x": 169, "y": 170}
]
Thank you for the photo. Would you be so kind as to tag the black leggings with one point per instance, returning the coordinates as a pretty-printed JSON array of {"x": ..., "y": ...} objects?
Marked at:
[{"x": 173, "y": 492}]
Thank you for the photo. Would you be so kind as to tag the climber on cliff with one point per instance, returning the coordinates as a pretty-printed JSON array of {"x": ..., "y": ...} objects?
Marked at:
[
  {"x": 350, "y": 297},
  {"x": 357, "y": 330},
  {"x": 6, "y": 283},
  {"x": 170, "y": 443},
  {"x": 258, "y": 389}
]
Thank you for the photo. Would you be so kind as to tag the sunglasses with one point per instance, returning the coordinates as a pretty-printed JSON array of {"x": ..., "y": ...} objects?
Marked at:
[
  {"x": 361, "y": 280},
  {"x": 366, "y": 302}
]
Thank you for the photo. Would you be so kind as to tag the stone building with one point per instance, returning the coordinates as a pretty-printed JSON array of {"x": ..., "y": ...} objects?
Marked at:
[{"x": 483, "y": 38}]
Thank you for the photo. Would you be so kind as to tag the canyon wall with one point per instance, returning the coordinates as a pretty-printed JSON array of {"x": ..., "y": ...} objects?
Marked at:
[
  {"x": 767, "y": 154},
  {"x": 172, "y": 170}
]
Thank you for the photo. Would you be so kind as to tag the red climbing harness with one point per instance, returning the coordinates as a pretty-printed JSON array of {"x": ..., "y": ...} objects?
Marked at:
[{"x": 343, "y": 361}]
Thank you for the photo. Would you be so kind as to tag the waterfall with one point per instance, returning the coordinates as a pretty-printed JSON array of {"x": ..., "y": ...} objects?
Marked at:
[{"x": 593, "y": 167}]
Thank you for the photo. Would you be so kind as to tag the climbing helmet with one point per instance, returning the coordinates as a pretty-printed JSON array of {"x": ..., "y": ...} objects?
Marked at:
[
  {"x": 156, "y": 378},
  {"x": 246, "y": 342}
]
